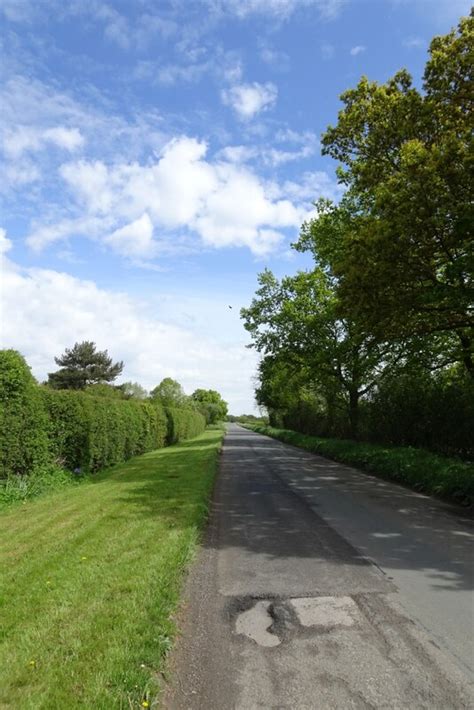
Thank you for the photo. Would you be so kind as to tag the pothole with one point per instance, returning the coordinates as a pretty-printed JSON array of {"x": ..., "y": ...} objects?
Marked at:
[{"x": 255, "y": 624}]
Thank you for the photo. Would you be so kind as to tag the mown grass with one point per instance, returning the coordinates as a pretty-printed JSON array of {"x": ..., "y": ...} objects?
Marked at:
[
  {"x": 421, "y": 470},
  {"x": 91, "y": 575}
]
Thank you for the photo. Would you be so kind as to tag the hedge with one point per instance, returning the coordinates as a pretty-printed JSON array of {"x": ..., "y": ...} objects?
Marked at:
[
  {"x": 183, "y": 423},
  {"x": 90, "y": 433},
  {"x": 23, "y": 421},
  {"x": 75, "y": 429}
]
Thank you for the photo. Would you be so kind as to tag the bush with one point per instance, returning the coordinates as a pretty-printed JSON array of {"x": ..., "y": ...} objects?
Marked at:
[
  {"x": 183, "y": 423},
  {"x": 44, "y": 430},
  {"x": 45, "y": 478},
  {"x": 90, "y": 433},
  {"x": 23, "y": 438}
]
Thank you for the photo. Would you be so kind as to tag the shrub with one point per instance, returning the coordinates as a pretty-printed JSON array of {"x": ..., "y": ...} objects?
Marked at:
[
  {"x": 23, "y": 438},
  {"x": 90, "y": 433},
  {"x": 183, "y": 423}
]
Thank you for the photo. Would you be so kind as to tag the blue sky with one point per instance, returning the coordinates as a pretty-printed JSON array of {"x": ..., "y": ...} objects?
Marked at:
[{"x": 157, "y": 154}]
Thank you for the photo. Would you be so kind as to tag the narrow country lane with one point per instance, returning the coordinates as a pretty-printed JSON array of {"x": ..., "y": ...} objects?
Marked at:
[{"x": 321, "y": 587}]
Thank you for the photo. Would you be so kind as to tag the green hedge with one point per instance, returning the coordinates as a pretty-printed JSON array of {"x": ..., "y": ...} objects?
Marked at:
[
  {"x": 418, "y": 469},
  {"x": 77, "y": 430},
  {"x": 23, "y": 437},
  {"x": 91, "y": 433},
  {"x": 183, "y": 423}
]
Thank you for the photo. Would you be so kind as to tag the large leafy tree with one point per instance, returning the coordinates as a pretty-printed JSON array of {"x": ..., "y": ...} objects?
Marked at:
[
  {"x": 169, "y": 393},
  {"x": 298, "y": 321},
  {"x": 402, "y": 239},
  {"x": 83, "y": 365},
  {"x": 211, "y": 404}
]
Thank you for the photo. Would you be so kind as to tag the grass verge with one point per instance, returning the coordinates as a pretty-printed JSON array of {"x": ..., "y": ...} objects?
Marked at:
[
  {"x": 421, "y": 470},
  {"x": 91, "y": 575}
]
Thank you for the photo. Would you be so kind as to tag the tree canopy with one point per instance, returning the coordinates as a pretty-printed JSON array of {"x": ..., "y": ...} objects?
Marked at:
[
  {"x": 211, "y": 404},
  {"x": 169, "y": 393},
  {"x": 387, "y": 310},
  {"x": 83, "y": 365},
  {"x": 401, "y": 240}
]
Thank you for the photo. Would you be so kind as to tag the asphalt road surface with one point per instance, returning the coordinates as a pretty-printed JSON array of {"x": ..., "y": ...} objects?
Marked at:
[{"x": 322, "y": 587}]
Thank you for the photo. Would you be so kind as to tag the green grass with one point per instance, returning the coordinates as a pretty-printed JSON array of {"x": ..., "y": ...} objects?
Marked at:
[
  {"x": 91, "y": 575},
  {"x": 421, "y": 470}
]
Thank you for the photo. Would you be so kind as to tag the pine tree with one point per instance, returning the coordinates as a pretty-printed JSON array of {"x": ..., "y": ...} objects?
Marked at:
[{"x": 83, "y": 365}]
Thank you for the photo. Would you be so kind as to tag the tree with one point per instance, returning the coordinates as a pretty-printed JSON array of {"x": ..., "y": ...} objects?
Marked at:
[
  {"x": 83, "y": 365},
  {"x": 405, "y": 247},
  {"x": 298, "y": 322},
  {"x": 169, "y": 393},
  {"x": 211, "y": 404},
  {"x": 133, "y": 390}
]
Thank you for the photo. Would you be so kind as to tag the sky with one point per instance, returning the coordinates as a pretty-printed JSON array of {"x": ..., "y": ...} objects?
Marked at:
[{"x": 156, "y": 155}]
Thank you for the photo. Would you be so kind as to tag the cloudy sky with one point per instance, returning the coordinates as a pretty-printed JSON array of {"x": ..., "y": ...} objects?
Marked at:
[{"x": 157, "y": 154}]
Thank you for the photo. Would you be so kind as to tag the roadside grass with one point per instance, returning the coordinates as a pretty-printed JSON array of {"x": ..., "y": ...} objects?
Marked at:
[
  {"x": 447, "y": 478},
  {"x": 91, "y": 575}
]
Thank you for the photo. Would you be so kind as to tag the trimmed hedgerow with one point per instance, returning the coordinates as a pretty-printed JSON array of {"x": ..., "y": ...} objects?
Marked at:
[
  {"x": 23, "y": 438},
  {"x": 90, "y": 433},
  {"x": 418, "y": 469},
  {"x": 183, "y": 423},
  {"x": 43, "y": 430}
]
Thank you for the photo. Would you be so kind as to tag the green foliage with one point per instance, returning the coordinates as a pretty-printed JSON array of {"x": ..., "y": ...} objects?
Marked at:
[
  {"x": 43, "y": 479},
  {"x": 132, "y": 390},
  {"x": 421, "y": 470},
  {"x": 401, "y": 241},
  {"x": 83, "y": 365},
  {"x": 431, "y": 410},
  {"x": 44, "y": 429},
  {"x": 183, "y": 423},
  {"x": 105, "y": 390},
  {"x": 90, "y": 433},
  {"x": 169, "y": 393},
  {"x": 23, "y": 440},
  {"x": 298, "y": 325},
  {"x": 210, "y": 404},
  {"x": 247, "y": 418},
  {"x": 365, "y": 344}
]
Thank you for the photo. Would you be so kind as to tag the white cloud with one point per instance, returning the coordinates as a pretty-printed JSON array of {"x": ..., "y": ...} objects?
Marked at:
[
  {"x": 237, "y": 153},
  {"x": 358, "y": 49},
  {"x": 280, "y": 9},
  {"x": 46, "y": 311},
  {"x": 5, "y": 244},
  {"x": 134, "y": 239},
  {"x": 249, "y": 99},
  {"x": 223, "y": 202},
  {"x": 67, "y": 138},
  {"x": 29, "y": 138}
]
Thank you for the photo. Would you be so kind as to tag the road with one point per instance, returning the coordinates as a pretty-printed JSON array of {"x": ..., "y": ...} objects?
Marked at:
[{"x": 322, "y": 587}]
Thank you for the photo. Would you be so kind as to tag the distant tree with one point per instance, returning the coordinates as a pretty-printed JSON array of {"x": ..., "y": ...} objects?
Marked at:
[
  {"x": 132, "y": 390},
  {"x": 169, "y": 393},
  {"x": 211, "y": 404},
  {"x": 83, "y": 365}
]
